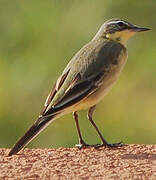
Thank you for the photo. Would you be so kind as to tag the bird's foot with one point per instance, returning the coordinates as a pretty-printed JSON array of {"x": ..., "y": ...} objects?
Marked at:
[
  {"x": 82, "y": 144},
  {"x": 114, "y": 145}
]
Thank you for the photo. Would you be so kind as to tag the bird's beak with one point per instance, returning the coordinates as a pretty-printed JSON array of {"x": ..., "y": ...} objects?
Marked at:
[{"x": 138, "y": 29}]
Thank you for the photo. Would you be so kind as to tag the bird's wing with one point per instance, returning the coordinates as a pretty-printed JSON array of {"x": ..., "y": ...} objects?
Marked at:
[{"x": 82, "y": 76}]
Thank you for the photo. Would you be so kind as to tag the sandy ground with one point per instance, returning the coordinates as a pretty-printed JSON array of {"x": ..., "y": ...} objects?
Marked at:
[{"x": 129, "y": 162}]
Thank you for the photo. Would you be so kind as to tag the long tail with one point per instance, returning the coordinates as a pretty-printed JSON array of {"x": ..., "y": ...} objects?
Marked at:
[{"x": 35, "y": 129}]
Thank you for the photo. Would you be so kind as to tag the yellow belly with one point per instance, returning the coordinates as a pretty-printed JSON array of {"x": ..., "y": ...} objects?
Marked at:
[{"x": 97, "y": 96}]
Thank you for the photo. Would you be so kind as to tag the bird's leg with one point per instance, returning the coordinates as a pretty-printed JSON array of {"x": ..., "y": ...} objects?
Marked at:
[
  {"x": 104, "y": 142},
  {"x": 81, "y": 141}
]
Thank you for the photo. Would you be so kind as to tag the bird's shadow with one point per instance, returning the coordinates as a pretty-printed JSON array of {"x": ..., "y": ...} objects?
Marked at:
[{"x": 139, "y": 156}]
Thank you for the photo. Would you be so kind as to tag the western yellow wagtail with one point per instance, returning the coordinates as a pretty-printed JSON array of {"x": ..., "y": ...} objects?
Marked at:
[{"x": 87, "y": 78}]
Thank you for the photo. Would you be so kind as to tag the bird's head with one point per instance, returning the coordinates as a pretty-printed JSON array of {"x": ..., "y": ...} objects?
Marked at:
[{"x": 118, "y": 30}]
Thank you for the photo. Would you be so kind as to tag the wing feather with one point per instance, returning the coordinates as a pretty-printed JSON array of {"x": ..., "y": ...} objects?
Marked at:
[{"x": 54, "y": 90}]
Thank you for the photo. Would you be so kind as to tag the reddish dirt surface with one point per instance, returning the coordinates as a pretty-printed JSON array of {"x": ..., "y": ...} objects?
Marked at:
[{"x": 128, "y": 162}]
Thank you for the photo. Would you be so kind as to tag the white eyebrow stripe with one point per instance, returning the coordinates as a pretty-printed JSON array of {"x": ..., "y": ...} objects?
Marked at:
[{"x": 115, "y": 22}]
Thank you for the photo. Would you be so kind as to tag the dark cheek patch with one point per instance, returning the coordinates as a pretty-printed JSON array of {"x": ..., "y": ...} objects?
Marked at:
[{"x": 111, "y": 29}]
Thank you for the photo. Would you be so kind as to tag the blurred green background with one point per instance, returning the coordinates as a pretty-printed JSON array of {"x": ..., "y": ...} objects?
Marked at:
[{"x": 38, "y": 38}]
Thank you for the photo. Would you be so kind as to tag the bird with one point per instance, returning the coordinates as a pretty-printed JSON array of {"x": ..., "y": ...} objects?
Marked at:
[{"x": 87, "y": 78}]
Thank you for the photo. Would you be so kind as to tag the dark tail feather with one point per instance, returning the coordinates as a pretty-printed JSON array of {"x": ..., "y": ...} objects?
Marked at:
[{"x": 36, "y": 128}]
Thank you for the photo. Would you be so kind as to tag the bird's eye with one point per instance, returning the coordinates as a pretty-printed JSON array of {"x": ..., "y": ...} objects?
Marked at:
[{"x": 121, "y": 23}]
